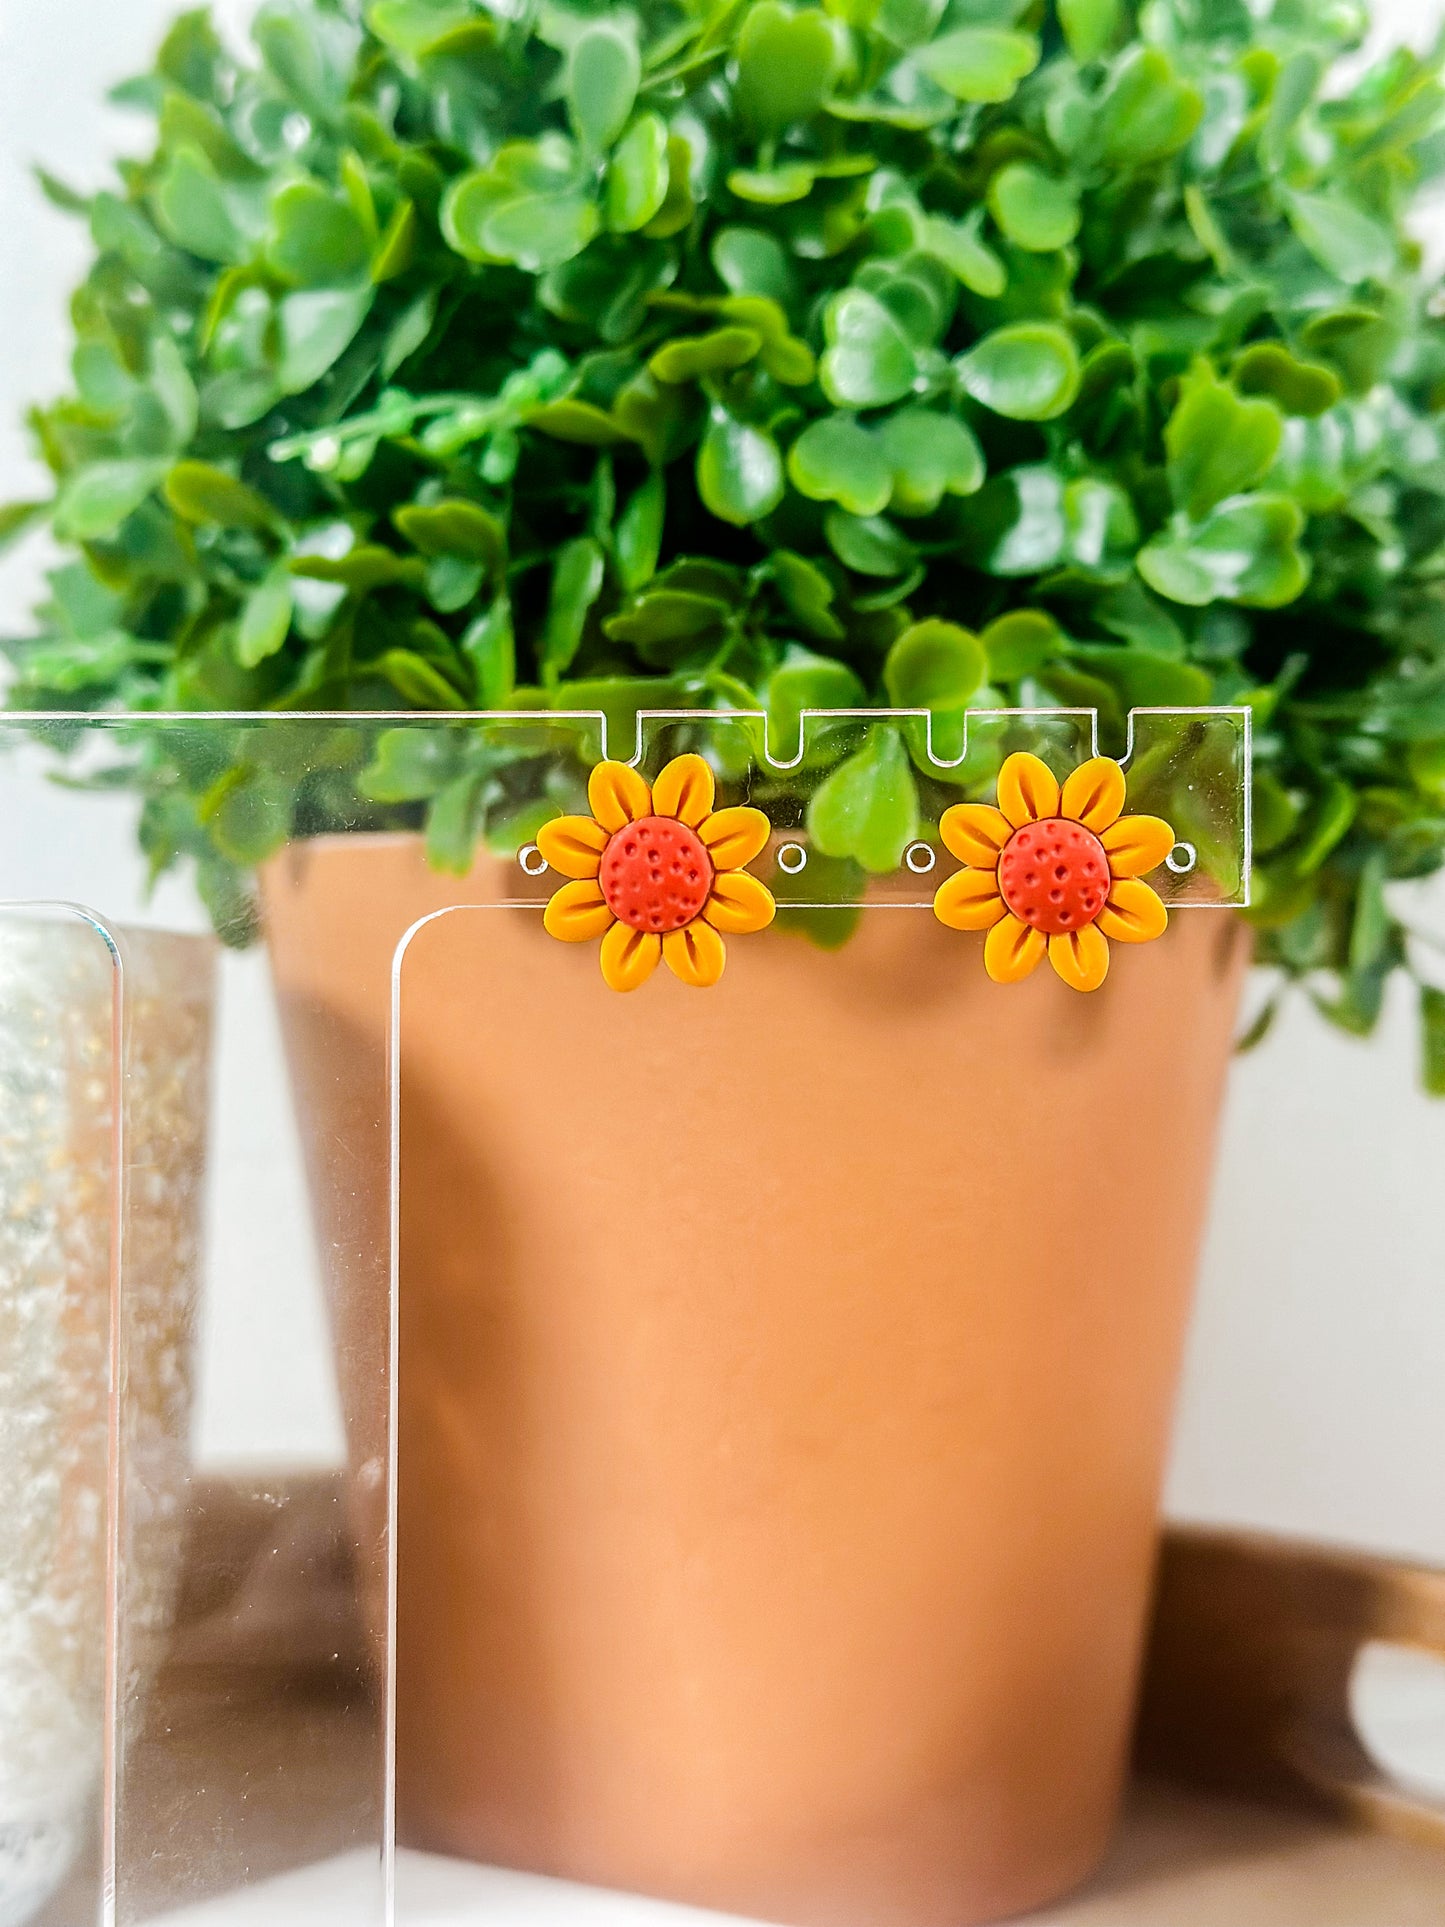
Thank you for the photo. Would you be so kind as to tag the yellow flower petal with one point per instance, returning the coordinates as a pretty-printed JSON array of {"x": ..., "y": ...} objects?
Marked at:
[
  {"x": 739, "y": 904},
  {"x": 1081, "y": 957},
  {"x": 618, "y": 795},
  {"x": 975, "y": 833},
  {"x": 1094, "y": 794},
  {"x": 734, "y": 837},
  {"x": 1137, "y": 844},
  {"x": 1133, "y": 913},
  {"x": 695, "y": 953},
  {"x": 577, "y": 911},
  {"x": 969, "y": 900},
  {"x": 573, "y": 845},
  {"x": 1011, "y": 951},
  {"x": 628, "y": 957},
  {"x": 685, "y": 790},
  {"x": 1027, "y": 790}
]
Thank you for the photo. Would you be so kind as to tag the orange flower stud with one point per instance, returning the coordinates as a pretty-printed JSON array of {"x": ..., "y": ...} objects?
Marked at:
[
  {"x": 1056, "y": 870},
  {"x": 657, "y": 873}
]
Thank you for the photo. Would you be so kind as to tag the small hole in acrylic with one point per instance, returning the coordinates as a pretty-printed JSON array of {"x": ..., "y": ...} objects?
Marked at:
[
  {"x": 791, "y": 858},
  {"x": 1182, "y": 859},
  {"x": 531, "y": 859},
  {"x": 920, "y": 858}
]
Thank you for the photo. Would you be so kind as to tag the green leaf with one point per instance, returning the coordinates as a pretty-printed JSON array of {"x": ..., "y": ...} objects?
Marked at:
[
  {"x": 868, "y": 808},
  {"x": 1145, "y": 113},
  {"x": 869, "y": 360},
  {"x": 1342, "y": 238},
  {"x": 785, "y": 66},
  {"x": 1294, "y": 89},
  {"x": 85, "y": 663},
  {"x": 416, "y": 681},
  {"x": 1217, "y": 444},
  {"x": 1028, "y": 372},
  {"x": 540, "y": 231},
  {"x": 930, "y": 456},
  {"x": 17, "y": 519},
  {"x": 418, "y": 27},
  {"x": 749, "y": 260},
  {"x": 409, "y": 765},
  {"x": 980, "y": 63},
  {"x": 638, "y": 175},
  {"x": 678, "y": 205},
  {"x": 97, "y": 500},
  {"x": 395, "y": 251},
  {"x": 171, "y": 383},
  {"x": 529, "y": 207},
  {"x": 664, "y": 616},
  {"x": 454, "y": 526},
  {"x": 934, "y": 665},
  {"x": 316, "y": 240},
  {"x": 787, "y": 359},
  {"x": 908, "y": 23},
  {"x": 836, "y": 460},
  {"x": 804, "y": 681},
  {"x": 1299, "y": 387},
  {"x": 1020, "y": 643},
  {"x": 957, "y": 246},
  {"x": 1371, "y": 928},
  {"x": 201, "y": 492},
  {"x": 265, "y": 620},
  {"x": 1243, "y": 551},
  {"x": 1035, "y": 210},
  {"x": 249, "y": 816},
  {"x": 698, "y": 355},
  {"x": 452, "y": 825},
  {"x": 577, "y": 421},
  {"x": 739, "y": 470},
  {"x": 316, "y": 328},
  {"x": 638, "y": 538},
  {"x": 1142, "y": 680},
  {"x": 602, "y": 81},
  {"x": 1330, "y": 820},
  {"x": 452, "y": 582},
  {"x": 193, "y": 210},
  {"x": 576, "y": 584},
  {"x": 868, "y": 544},
  {"x": 772, "y": 186},
  {"x": 489, "y": 645},
  {"x": 306, "y": 63},
  {"x": 1432, "y": 1040},
  {"x": 1016, "y": 524},
  {"x": 1090, "y": 26},
  {"x": 368, "y": 566},
  {"x": 807, "y": 594}
]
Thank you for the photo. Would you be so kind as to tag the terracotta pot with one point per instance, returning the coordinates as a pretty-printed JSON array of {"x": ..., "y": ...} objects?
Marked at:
[{"x": 786, "y": 1383}]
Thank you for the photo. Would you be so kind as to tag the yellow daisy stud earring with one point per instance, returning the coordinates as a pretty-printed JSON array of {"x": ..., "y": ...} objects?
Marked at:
[
  {"x": 657, "y": 873},
  {"x": 1053, "y": 870}
]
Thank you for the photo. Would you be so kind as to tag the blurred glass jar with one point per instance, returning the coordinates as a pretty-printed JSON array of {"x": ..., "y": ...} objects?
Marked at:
[{"x": 59, "y": 1068}]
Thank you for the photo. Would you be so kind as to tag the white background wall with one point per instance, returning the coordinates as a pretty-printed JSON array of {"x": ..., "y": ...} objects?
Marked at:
[{"x": 1313, "y": 1401}]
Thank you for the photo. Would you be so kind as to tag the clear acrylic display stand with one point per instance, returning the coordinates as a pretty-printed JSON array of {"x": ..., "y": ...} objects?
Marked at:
[{"x": 401, "y": 985}]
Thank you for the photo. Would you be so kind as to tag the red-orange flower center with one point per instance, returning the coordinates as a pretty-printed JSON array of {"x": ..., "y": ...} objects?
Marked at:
[
  {"x": 1054, "y": 875},
  {"x": 656, "y": 874}
]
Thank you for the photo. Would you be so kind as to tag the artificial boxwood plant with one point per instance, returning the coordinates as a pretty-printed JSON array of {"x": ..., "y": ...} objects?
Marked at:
[{"x": 730, "y": 353}]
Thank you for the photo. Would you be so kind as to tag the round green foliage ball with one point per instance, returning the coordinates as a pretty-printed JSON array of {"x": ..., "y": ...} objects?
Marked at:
[{"x": 449, "y": 354}]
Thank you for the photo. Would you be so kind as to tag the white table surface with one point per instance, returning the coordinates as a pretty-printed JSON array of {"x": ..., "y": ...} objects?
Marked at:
[{"x": 1180, "y": 1860}]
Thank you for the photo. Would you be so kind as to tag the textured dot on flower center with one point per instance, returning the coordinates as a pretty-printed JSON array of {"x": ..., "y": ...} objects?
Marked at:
[
  {"x": 656, "y": 874},
  {"x": 1054, "y": 875}
]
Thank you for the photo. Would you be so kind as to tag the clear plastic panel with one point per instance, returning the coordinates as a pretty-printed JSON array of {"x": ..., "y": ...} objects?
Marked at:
[
  {"x": 60, "y": 1250},
  {"x": 390, "y": 864}
]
